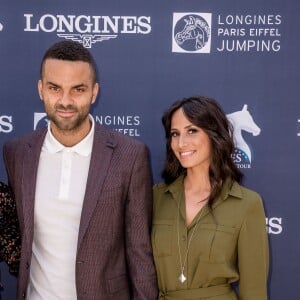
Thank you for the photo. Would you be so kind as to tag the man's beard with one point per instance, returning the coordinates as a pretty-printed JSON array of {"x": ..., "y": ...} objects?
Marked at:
[{"x": 72, "y": 123}]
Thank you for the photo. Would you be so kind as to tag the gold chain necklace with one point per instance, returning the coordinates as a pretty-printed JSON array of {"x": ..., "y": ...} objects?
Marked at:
[{"x": 182, "y": 278}]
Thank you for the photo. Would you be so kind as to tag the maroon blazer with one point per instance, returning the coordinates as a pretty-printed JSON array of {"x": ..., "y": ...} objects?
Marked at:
[{"x": 114, "y": 255}]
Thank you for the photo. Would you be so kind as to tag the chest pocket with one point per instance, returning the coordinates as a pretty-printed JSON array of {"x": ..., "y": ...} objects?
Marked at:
[
  {"x": 217, "y": 243},
  {"x": 161, "y": 236}
]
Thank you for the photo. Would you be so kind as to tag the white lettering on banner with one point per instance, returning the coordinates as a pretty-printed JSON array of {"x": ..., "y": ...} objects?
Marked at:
[
  {"x": 6, "y": 124},
  {"x": 249, "y": 33},
  {"x": 130, "y": 121},
  {"x": 252, "y": 32},
  {"x": 88, "y": 30},
  {"x": 231, "y": 32},
  {"x": 234, "y": 33},
  {"x": 249, "y": 45},
  {"x": 249, "y": 20},
  {"x": 274, "y": 225},
  {"x": 128, "y": 131},
  {"x": 264, "y": 32},
  {"x": 88, "y": 24},
  {"x": 298, "y": 134},
  {"x": 119, "y": 120}
]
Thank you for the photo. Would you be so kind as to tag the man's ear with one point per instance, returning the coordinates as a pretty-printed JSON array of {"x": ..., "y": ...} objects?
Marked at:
[
  {"x": 96, "y": 89},
  {"x": 40, "y": 88}
]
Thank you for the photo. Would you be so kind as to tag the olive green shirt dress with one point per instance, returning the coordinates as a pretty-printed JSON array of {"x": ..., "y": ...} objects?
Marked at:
[{"x": 229, "y": 245}]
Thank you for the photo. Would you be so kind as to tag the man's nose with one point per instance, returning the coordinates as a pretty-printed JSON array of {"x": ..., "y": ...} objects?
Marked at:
[{"x": 66, "y": 98}]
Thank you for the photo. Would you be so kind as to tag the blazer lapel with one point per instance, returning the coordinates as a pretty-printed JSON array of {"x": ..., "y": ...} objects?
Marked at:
[
  {"x": 103, "y": 146},
  {"x": 29, "y": 173}
]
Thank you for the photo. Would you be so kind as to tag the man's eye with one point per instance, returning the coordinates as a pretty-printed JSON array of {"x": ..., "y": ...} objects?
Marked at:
[{"x": 54, "y": 88}]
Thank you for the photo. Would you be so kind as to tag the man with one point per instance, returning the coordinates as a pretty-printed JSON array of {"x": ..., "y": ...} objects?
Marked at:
[{"x": 83, "y": 194}]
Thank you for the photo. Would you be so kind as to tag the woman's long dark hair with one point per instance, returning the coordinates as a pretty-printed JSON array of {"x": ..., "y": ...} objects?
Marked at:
[{"x": 206, "y": 113}]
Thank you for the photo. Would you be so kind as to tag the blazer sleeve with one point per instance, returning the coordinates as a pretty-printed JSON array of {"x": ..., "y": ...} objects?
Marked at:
[
  {"x": 10, "y": 239},
  {"x": 253, "y": 253},
  {"x": 138, "y": 227}
]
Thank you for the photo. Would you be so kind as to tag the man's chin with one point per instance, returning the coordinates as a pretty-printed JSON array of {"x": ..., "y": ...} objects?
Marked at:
[{"x": 66, "y": 125}]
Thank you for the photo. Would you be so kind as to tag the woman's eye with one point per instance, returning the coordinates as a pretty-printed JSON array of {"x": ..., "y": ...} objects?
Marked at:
[
  {"x": 192, "y": 130},
  {"x": 174, "y": 134}
]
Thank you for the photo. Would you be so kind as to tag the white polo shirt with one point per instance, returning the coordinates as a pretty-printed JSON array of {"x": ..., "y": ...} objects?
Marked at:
[{"x": 61, "y": 182}]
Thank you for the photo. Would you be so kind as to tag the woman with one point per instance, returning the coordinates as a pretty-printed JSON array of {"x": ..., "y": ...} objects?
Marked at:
[
  {"x": 208, "y": 231},
  {"x": 10, "y": 240}
]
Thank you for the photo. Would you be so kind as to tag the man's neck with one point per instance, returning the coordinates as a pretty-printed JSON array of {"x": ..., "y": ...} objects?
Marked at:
[{"x": 70, "y": 138}]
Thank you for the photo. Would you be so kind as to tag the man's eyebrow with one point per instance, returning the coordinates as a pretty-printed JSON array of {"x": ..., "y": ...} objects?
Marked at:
[
  {"x": 52, "y": 83},
  {"x": 75, "y": 86},
  {"x": 79, "y": 85}
]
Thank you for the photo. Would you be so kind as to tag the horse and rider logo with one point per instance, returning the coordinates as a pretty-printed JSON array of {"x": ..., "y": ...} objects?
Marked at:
[
  {"x": 191, "y": 32},
  {"x": 242, "y": 121}
]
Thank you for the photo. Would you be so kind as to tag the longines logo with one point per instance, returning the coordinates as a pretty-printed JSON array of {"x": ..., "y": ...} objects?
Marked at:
[
  {"x": 242, "y": 121},
  {"x": 6, "y": 125},
  {"x": 191, "y": 32},
  {"x": 126, "y": 124},
  {"x": 40, "y": 120},
  {"x": 232, "y": 32},
  {"x": 88, "y": 30}
]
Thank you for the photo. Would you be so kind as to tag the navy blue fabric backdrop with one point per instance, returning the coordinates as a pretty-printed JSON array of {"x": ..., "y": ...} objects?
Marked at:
[{"x": 151, "y": 53}]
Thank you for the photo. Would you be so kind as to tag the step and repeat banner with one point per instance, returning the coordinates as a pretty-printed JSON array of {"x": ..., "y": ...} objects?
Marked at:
[{"x": 243, "y": 53}]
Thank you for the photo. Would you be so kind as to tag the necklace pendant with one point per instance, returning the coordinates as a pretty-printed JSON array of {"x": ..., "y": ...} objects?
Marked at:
[{"x": 182, "y": 278}]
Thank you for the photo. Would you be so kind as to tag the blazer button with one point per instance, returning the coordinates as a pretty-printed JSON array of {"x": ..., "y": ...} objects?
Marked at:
[
  {"x": 80, "y": 262},
  {"x": 23, "y": 295}
]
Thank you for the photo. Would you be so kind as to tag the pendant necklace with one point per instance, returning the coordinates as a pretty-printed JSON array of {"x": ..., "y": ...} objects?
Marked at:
[{"x": 182, "y": 278}]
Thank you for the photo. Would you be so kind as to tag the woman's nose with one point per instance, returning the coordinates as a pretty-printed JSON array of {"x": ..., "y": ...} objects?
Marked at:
[{"x": 182, "y": 141}]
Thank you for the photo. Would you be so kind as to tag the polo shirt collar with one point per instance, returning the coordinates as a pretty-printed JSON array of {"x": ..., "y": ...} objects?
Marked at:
[{"x": 84, "y": 147}]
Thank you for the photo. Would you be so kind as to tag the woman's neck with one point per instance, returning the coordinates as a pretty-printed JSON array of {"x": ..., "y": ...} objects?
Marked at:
[{"x": 197, "y": 181}]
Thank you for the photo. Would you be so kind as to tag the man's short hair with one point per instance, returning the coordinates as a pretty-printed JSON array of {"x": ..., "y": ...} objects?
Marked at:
[{"x": 71, "y": 51}]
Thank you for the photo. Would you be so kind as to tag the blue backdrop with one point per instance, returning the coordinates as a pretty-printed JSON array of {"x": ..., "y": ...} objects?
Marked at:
[{"x": 151, "y": 53}]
